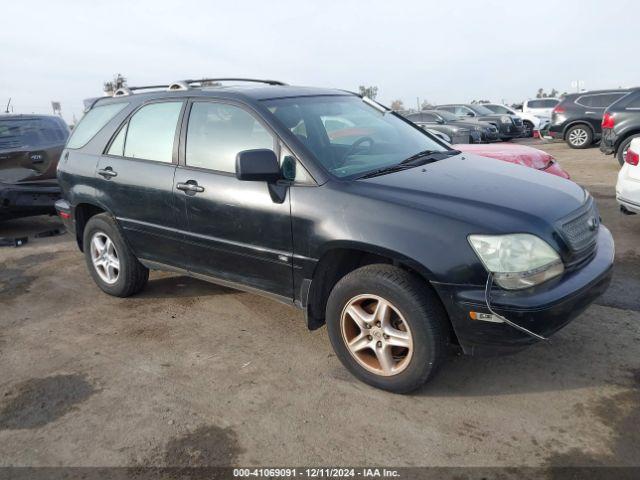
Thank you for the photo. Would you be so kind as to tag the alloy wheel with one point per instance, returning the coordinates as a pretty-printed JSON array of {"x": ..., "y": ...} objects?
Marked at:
[
  {"x": 578, "y": 137},
  {"x": 376, "y": 335},
  {"x": 104, "y": 257}
]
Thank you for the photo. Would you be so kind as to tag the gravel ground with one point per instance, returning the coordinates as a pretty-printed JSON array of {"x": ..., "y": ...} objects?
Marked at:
[{"x": 189, "y": 373}]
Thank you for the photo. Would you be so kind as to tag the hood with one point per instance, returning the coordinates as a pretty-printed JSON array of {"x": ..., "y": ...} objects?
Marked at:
[
  {"x": 473, "y": 189},
  {"x": 520, "y": 154}
]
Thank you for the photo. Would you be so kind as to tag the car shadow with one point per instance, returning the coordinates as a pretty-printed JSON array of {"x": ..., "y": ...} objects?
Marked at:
[{"x": 164, "y": 285}]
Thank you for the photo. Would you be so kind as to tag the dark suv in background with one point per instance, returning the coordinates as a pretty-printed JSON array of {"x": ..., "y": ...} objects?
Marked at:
[
  {"x": 509, "y": 126},
  {"x": 334, "y": 204},
  {"x": 620, "y": 125},
  {"x": 460, "y": 131},
  {"x": 30, "y": 147},
  {"x": 577, "y": 118}
]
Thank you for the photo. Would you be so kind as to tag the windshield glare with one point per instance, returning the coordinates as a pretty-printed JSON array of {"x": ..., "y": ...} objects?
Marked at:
[
  {"x": 448, "y": 116},
  {"x": 482, "y": 110},
  {"x": 348, "y": 136}
]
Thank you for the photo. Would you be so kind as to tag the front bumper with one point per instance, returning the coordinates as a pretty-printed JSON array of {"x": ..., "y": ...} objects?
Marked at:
[
  {"x": 510, "y": 131},
  {"x": 544, "y": 309},
  {"x": 18, "y": 200},
  {"x": 489, "y": 136}
]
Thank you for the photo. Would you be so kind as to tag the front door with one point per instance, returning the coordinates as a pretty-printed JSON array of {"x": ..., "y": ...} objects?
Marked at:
[
  {"x": 135, "y": 178},
  {"x": 234, "y": 230}
]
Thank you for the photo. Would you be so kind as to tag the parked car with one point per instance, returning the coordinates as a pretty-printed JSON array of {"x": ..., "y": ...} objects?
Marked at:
[
  {"x": 30, "y": 147},
  {"x": 518, "y": 154},
  {"x": 576, "y": 119},
  {"x": 530, "y": 122},
  {"x": 509, "y": 126},
  {"x": 621, "y": 125},
  {"x": 628, "y": 186},
  {"x": 396, "y": 241},
  {"x": 461, "y": 131},
  {"x": 540, "y": 107}
]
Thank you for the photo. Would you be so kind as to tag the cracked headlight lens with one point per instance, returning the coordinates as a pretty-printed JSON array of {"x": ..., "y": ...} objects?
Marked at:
[{"x": 519, "y": 260}]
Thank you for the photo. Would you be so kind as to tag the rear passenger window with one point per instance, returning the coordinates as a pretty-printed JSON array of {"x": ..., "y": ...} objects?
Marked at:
[
  {"x": 92, "y": 123},
  {"x": 151, "y": 132},
  {"x": 635, "y": 103},
  {"x": 218, "y": 131}
]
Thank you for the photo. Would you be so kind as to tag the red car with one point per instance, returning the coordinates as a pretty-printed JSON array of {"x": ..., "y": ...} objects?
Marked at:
[{"x": 520, "y": 154}]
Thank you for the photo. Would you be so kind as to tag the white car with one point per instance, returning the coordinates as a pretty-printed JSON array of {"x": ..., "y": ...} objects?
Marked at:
[
  {"x": 540, "y": 107},
  {"x": 628, "y": 186},
  {"x": 530, "y": 121}
]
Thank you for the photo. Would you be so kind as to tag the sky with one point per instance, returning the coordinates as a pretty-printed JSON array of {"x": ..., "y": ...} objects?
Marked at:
[{"x": 453, "y": 51}]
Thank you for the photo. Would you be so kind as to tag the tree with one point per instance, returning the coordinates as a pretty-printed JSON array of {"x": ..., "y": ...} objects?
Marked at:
[
  {"x": 426, "y": 105},
  {"x": 554, "y": 93},
  {"x": 397, "y": 105},
  {"x": 111, "y": 86},
  {"x": 371, "y": 91},
  {"x": 540, "y": 93}
]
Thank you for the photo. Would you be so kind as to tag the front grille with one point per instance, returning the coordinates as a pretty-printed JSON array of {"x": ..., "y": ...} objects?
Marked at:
[
  {"x": 579, "y": 230},
  {"x": 517, "y": 121}
]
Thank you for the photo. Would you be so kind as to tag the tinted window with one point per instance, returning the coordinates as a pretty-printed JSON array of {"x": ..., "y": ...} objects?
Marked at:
[
  {"x": 448, "y": 116},
  {"x": 92, "y": 122},
  {"x": 152, "y": 131},
  {"x": 481, "y": 110},
  {"x": 414, "y": 117},
  {"x": 117, "y": 146},
  {"x": 599, "y": 101},
  {"x": 498, "y": 109},
  {"x": 369, "y": 138},
  {"x": 463, "y": 111},
  {"x": 217, "y": 132},
  {"x": 429, "y": 118},
  {"x": 545, "y": 103},
  {"x": 635, "y": 103},
  {"x": 32, "y": 132}
]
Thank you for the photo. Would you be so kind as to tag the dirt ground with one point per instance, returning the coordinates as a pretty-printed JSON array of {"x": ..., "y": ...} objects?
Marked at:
[{"x": 189, "y": 373}]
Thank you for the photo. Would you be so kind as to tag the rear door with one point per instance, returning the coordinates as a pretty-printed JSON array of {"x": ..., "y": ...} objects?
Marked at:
[
  {"x": 135, "y": 181},
  {"x": 595, "y": 105},
  {"x": 235, "y": 231}
]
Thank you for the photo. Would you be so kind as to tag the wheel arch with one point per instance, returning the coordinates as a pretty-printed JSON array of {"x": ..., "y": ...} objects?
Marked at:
[
  {"x": 573, "y": 124},
  {"x": 625, "y": 136},
  {"x": 339, "y": 258},
  {"x": 83, "y": 212}
]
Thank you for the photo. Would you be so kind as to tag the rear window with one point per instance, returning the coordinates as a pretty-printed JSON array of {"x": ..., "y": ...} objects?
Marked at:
[
  {"x": 92, "y": 123},
  {"x": 32, "y": 132},
  {"x": 635, "y": 103},
  {"x": 546, "y": 103},
  {"x": 602, "y": 100}
]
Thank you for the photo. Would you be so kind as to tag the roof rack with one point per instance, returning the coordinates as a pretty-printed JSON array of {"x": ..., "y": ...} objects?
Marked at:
[{"x": 187, "y": 84}]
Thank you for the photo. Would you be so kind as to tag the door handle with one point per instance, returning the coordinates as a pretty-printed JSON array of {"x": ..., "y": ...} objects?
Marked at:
[
  {"x": 107, "y": 172},
  {"x": 190, "y": 186}
]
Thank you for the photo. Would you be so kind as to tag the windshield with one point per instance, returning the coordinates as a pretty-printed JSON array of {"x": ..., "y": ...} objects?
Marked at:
[
  {"x": 348, "y": 136},
  {"x": 480, "y": 110},
  {"x": 20, "y": 133},
  {"x": 501, "y": 109},
  {"x": 448, "y": 116}
]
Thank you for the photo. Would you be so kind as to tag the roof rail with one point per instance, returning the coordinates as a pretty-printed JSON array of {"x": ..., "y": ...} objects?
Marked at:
[{"x": 187, "y": 84}]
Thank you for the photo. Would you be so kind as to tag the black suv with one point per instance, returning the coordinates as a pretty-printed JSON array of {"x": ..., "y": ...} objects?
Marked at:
[
  {"x": 397, "y": 242},
  {"x": 620, "y": 125},
  {"x": 509, "y": 126},
  {"x": 30, "y": 147},
  {"x": 459, "y": 130},
  {"x": 576, "y": 119}
]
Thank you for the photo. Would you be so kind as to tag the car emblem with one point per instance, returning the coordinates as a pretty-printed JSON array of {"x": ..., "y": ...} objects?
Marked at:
[{"x": 592, "y": 223}]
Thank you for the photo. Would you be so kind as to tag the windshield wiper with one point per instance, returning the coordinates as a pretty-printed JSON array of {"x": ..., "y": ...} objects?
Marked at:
[{"x": 420, "y": 158}]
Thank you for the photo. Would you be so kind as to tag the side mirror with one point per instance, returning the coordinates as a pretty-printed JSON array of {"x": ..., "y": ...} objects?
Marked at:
[
  {"x": 470, "y": 114},
  {"x": 440, "y": 121},
  {"x": 258, "y": 165}
]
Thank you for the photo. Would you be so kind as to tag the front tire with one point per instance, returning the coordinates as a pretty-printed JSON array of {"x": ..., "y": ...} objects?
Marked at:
[
  {"x": 109, "y": 259},
  {"x": 387, "y": 327},
  {"x": 579, "y": 137},
  {"x": 528, "y": 129}
]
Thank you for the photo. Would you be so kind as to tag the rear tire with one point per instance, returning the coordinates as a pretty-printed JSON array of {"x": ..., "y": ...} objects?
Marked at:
[
  {"x": 579, "y": 136},
  {"x": 109, "y": 259},
  {"x": 622, "y": 149},
  {"x": 399, "y": 351}
]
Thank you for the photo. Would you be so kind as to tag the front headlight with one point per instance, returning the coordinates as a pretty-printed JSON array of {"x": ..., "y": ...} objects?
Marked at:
[
  {"x": 477, "y": 128},
  {"x": 517, "y": 260},
  {"x": 505, "y": 119}
]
